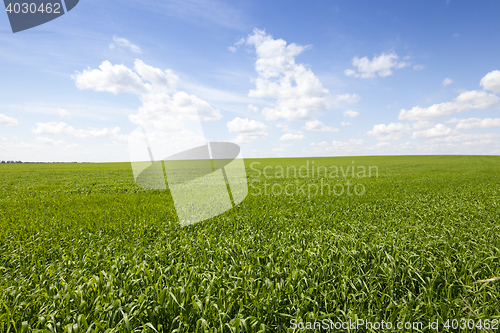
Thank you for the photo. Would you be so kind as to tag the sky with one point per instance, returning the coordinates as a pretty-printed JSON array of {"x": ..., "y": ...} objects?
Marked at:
[{"x": 279, "y": 78}]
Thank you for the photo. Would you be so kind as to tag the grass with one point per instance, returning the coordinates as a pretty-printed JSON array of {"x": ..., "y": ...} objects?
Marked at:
[{"x": 83, "y": 249}]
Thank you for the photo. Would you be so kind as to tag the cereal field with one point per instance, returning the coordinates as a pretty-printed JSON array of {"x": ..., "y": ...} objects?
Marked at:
[{"x": 83, "y": 249}]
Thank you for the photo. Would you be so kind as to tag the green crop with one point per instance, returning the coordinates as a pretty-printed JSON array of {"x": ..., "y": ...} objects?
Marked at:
[{"x": 83, "y": 249}]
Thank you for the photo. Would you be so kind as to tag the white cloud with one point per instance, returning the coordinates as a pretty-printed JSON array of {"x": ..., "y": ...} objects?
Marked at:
[
  {"x": 418, "y": 67},
  {"x": 124, "y": 43},
  {"x": 318, "y": 126},
  {"x": 292, "y": 137},
  {"x": 390, "y": 132},
  {"x": 338, "y": 146},
  {"x": 50, "y": 141},
  {"x": 351, "y": 114},
  {"x": 291, "y": 134},
  {"x": 464, "y": 102},
  {"x": 284, "y": 127},
  {"x": 63, "y": 128},
  {"x": 347, "y": 98},
  {"x": 422, "y": 124},
  {"x": 460, "y": 137},
  {"x": 283, "y": 147},
  {"x": 437, "y": 130},
  {"x": 491, "y": 81},
  {"x": 476, "y": 100},
  {"x": 237, "y": 44},
  {"x": 63, "y": 113},
  {"x": 252, "y": 108},
  {"x": 474, "y": 123},
  {"x": 447, "y": 81},
  {"x": 381, "y": 65},
  {"x": 165, "y": 112},
  {"x": 345, "y": 123},
  {"x": 320, "y": 144},
  {"x": 477, "y": 143},
  {"x": 160, "y": 80},
  {"x": 346, "y": 145},
  {"x": 239, "y": 125},
  {"x": 248, "y": 130},
  {"x": 111, "y": 78},
  {"x": 296, "y": 89},
  {"x": 382, "y": 145},
  {"x": 7, "y": 121},
  {"x": 163, "y": 107},
  {"x": 350, "y": 72}
]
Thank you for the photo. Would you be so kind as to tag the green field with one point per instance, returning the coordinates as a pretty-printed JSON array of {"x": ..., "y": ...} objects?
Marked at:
[{"x": 83, "y": 249}]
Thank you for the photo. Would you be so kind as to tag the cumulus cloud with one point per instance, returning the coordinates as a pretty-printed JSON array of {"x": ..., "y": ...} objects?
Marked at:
[
  {"x": 338, "y": 146},
  {"x": 247, "y": 130},
  {"x": 345, "y": 123},
  {"x": 292, "y": 137},
  {"x": 381, "y": 65},
  {"x": 418, "y": 67},
  {"x": 63, "y": 128},
  {"x": 491, "y": 81},
  {"x": 466, "y": 101},
  {"x": 296, "y": 89},
  {"x": 318, "y": 126},
  {"x": 284, "y": 127},
  {"x": 422, "y": 124},
  {"x": 163, "y": 107},
  {"x": 346, "y": 145},
  {"x": 111, "y": 78},
  {"x": 461, "y": 137},
  {"x": 124, "y": 43},
  {"x": 320, "y": 144},
  {"x": 351, "y": 114},
  {"x": 447, "y": 81},
  {"x": 474, "y": 123},
  {"x": 7, "y": 121},
  {"x": 390, "y": 132},
  {"x": 161, "y": 80},
  {"x": 239, "y": 125},
  {"x": 437, "y": 130},
  {"x": 347, "y": 98}
]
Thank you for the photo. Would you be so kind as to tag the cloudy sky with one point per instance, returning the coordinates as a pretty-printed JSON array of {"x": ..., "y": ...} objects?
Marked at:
[{"x": 280, "y": 78}]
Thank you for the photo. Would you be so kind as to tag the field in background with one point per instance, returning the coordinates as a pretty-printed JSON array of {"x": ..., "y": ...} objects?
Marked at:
[{"x": 82, "y": 247}]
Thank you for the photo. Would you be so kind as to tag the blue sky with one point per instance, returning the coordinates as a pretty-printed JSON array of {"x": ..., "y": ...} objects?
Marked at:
[{"x": 280, "y": 78}]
